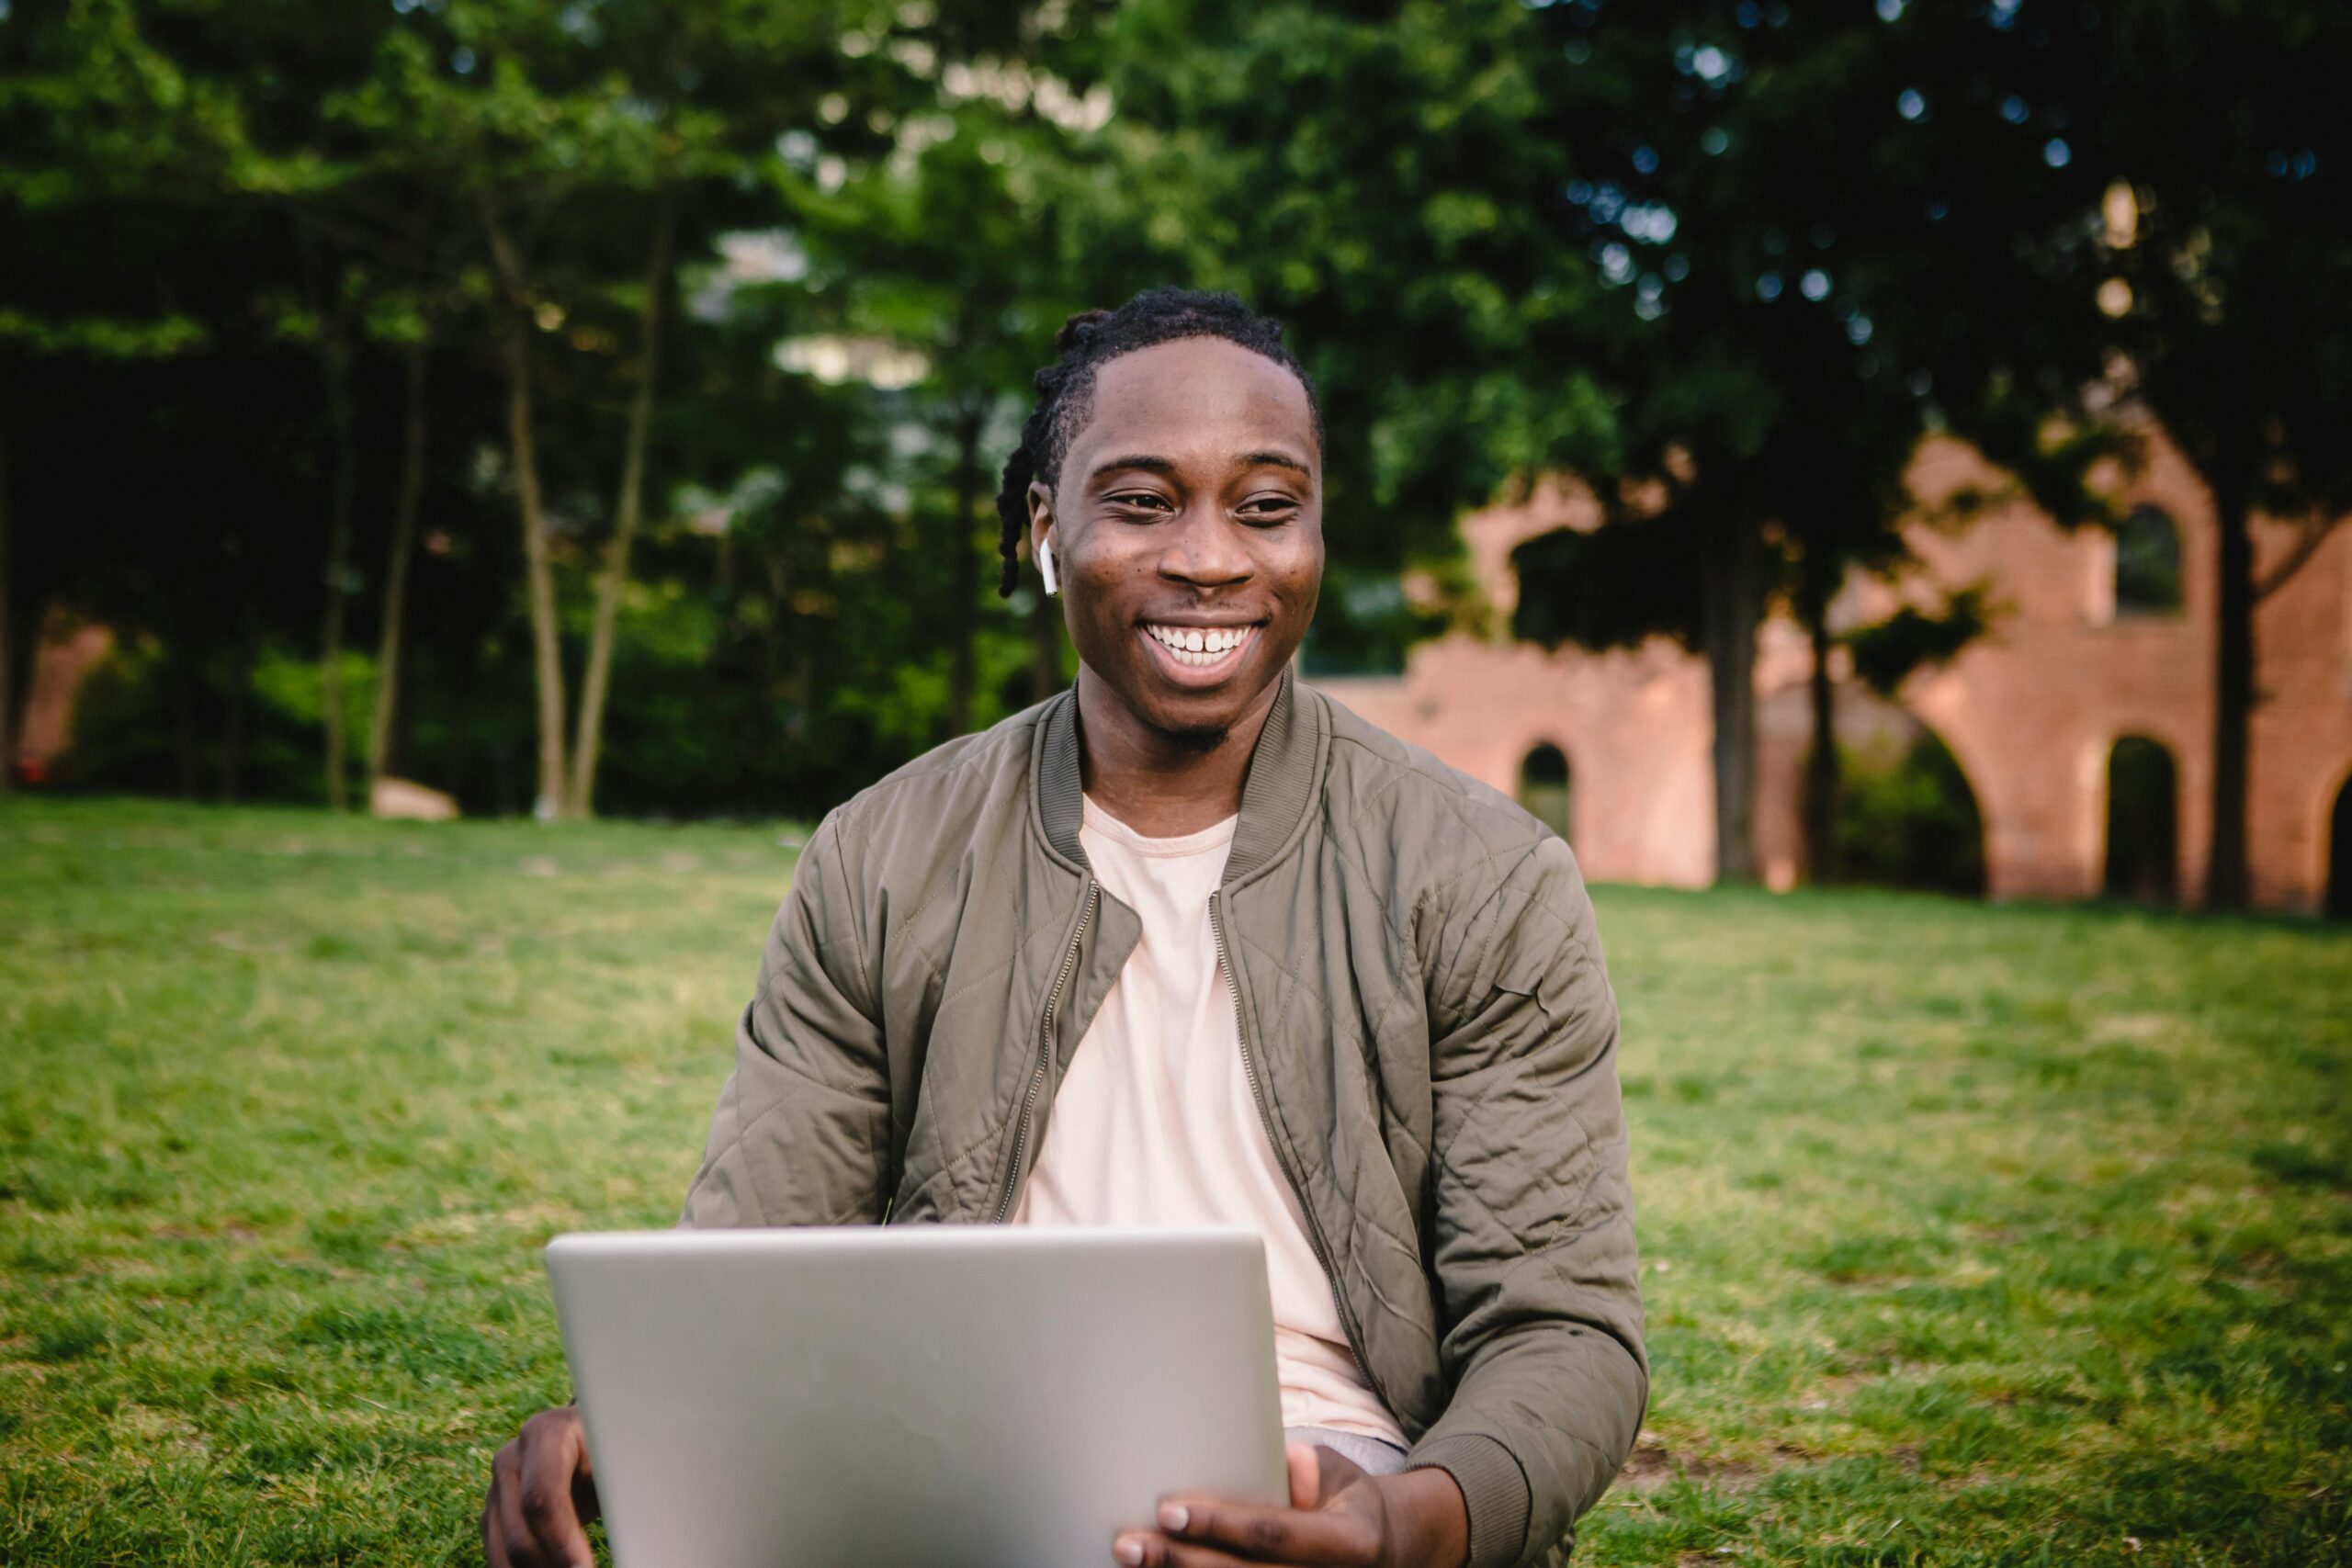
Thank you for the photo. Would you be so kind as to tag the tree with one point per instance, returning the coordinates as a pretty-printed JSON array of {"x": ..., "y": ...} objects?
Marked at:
[
  {"x": 952, "y": 252},
  {"x": 8, "y": 683},
  {"x": 630, "y": 505},
  {"x": 408, "y": 505},
  {"x": 722, "y": 83},
  {"x": 2138, "y": 211},
  {"x": 1816, "y": 249},
  {"x": 1386, "y": 180},
  {"x": 654, "y": 111},
  {"x": 117, "y": 155},
  {"x": 2227, "y": 238},
  {"x": 516, "y": 118},
  {"x": 56, "y": 80},
  {"x": 1550, "y": 237},
  {"x": 334, "y": 320}
]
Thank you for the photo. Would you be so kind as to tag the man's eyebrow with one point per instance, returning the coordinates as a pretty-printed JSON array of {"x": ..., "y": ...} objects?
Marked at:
[
  {"x": 1143, "y": 460},
  {"x": 1150, "y": 464}
]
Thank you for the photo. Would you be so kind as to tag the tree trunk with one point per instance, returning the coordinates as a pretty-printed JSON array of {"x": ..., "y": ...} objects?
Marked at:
[
  {"x": 405, "y": 509},
  {"x": 515, "y": 343},
  {"x": 7, "y": 640},
  {"x": 236, "y": 702},
  {"x": 789, "y": 645},
  {"x": 1821, "y": 763},
  {"x": 546, "y": 651},
  {"x": 2225, "y": 866},
  {"x": 1732, "y": 587},
  {"x": 776, "y": 630},
  {"x": 804, "y": 686},
  {"x": 964, "y": 623},
  {"x": 182, "y": 684},
  {"x": 335, "y": 355},
  {"x": 588, "y": 737}
]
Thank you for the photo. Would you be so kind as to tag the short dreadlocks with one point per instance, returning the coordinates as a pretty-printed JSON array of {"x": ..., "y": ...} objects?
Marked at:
[{"x": 1066, "y": 387}]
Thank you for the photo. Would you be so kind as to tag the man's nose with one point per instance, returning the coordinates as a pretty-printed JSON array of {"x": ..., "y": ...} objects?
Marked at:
[{"x": 1207, "y": 550}]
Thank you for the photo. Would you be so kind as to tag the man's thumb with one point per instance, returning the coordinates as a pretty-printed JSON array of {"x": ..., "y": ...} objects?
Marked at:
[{"x": 1305, "y": 1475}]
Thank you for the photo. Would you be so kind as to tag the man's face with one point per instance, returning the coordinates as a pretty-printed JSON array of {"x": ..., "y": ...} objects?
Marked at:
[{"x": 1188, "y": 528}]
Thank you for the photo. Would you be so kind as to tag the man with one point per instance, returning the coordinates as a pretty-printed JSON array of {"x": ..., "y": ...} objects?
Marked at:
[{"x": 1192, "y": 943}]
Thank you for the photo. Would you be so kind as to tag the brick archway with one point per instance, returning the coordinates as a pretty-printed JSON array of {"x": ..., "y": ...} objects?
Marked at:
[
  {"x": 2140, "y": 831},
  {"x": 2334, "y": 835},
  {"x": 1971, "y": 861},
  {"x": 1546, "y": 785}
]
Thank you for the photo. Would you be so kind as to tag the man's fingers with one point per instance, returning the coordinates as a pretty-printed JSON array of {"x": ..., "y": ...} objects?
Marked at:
[
  {"x": 493, "y": 1547},
  {"x": 505, "y": 1523},
  {"x": 1305, "y": 1473},
  {"x": 547, "y": 1470},
  {"x": 1150, "y": 1549},
  {"x": 585, "y": 1505},
  {"x": 1260, "y": 1534}
]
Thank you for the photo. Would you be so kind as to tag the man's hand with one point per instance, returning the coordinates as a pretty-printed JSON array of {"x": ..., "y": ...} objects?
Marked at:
[
  {"x": 1339, "y": 1517},
  {"x": 542, "y": 1494}
]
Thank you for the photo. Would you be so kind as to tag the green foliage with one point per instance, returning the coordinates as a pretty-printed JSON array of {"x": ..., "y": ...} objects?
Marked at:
[
  {"x": 1969, "y": 1235},
  {"x": 1910, "y": 821},
  {"x": 1889, "y": 652},
  {"x": 1384, "y": 180},
  {"x": 1609, "y": 588},
  {"x": 760, "y": 663},
  {"x": 124, "y": 720},
  {"x": 1729, "y": 262},
  {"x": 2237, "y": 332}
]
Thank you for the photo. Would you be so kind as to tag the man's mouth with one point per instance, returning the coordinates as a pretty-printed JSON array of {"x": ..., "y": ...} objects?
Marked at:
[{"x": 1201, "y": 648}]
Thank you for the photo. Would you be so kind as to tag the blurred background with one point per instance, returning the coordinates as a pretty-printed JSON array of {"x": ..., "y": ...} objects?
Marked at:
[
  {"x": 1871, "y": 475},
  {"x": 1871, "y": 442}
]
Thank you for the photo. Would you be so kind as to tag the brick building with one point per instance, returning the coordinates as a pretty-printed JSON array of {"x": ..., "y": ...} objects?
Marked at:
[{"x": 2098, "y": 666}]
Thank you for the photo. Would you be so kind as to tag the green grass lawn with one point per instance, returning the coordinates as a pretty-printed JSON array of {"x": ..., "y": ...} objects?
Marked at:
[{"x": 1970, "y": 1235}]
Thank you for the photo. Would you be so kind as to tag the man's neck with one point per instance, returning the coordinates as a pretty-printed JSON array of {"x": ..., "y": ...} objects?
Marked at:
[{"x": 1159, "y": 785}]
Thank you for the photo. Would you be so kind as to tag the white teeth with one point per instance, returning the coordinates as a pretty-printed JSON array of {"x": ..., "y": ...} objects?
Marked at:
[{"x": 1198, "y": 646}]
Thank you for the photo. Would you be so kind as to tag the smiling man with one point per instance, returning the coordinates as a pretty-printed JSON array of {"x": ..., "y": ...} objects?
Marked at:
[{"x": 1192, "y": 943}]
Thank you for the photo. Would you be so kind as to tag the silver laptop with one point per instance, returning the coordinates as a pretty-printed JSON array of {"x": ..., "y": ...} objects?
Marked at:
[{"x": 915, "y": 1398}]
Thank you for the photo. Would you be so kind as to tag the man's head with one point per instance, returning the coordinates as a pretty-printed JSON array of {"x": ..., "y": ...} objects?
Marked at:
[{"x": 1174, "y": 466}]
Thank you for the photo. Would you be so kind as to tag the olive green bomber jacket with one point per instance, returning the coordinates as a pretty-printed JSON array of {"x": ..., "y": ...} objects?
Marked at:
[{"x": 1425, "y": 1017}]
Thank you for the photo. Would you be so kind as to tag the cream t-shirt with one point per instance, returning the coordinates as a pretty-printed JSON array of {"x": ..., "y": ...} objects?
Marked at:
[{"x": 1155, "y": 1125}]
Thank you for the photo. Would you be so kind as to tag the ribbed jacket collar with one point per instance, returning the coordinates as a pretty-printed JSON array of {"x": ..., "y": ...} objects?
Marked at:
[{"x": 1285, "y": 771}]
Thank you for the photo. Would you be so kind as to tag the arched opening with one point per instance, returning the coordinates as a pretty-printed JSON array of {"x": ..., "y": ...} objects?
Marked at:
[
  {"x": 2147, "y": 563},
  {"x": 2143, "y": 794},
  {"x": 2340, "y": 856},
  {"x": 1544, "y": 786},
  {"x": 1908, "y": 818}
]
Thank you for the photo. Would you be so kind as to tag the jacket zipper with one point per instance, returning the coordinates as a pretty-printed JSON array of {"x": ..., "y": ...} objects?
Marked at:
[
  {"x": 1306, "y": 1207},
  {"x": 1044, "y": 1054}
]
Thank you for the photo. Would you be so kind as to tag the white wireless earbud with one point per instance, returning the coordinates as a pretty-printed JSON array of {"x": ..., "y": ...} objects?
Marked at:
[{"x": 1046, "y": 566}]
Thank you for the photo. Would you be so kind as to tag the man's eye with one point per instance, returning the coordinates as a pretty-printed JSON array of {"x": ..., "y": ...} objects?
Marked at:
[
  {"x": 1140, "y": 498},
  {"x": 1270, "y": 508}
]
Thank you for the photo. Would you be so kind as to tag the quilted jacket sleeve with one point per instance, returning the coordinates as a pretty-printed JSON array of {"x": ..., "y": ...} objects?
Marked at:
[
  {"x": 802, "y": 1135},
  {"x": 1533, "y": 1225}
]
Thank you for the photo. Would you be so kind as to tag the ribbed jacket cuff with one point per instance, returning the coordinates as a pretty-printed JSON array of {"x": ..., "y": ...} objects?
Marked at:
[{"x": 1494, "y": 1492}]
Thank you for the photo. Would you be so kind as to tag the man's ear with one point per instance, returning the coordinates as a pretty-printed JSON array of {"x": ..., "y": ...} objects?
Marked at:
[{"x": 1041, "y": 513}]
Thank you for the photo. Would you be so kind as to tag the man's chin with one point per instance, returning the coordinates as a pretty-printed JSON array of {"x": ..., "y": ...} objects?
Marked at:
[
  {"x": 1195, "y": 726},
  {"x": 1196, "y": 739},
  {"x": 1189, "y": 721}
]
